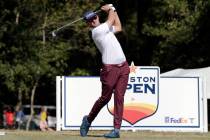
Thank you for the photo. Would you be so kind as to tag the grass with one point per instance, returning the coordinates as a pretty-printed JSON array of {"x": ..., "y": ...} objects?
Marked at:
[{"x": 98, "y": 135}]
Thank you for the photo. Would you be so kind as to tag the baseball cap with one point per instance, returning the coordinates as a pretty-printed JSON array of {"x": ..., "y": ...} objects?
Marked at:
[{"x": 89, "y": 15}]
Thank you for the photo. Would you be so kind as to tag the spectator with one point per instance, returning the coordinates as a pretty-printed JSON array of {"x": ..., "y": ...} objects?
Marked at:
[
  {"x": 4, "y": 116},
  {"x": 43, "y": 120},
  {"x": 19, "y": 118},
  {"x": 9, "y": 114}
]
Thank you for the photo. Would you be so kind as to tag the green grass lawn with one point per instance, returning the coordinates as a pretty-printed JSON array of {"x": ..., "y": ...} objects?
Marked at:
[{"x": 95, "y": 135}]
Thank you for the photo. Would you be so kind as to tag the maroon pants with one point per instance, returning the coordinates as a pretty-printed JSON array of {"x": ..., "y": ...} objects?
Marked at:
[{"x": 114, "y": 78}]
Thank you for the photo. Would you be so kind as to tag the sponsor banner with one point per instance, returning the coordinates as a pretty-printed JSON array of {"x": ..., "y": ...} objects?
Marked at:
[
  {"x": 151, "y": 102},
  {"x": 142, "y": 94}
]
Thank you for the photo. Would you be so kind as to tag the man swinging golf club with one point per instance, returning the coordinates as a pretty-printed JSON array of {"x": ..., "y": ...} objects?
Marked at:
[{"x": 115, "y": 69}]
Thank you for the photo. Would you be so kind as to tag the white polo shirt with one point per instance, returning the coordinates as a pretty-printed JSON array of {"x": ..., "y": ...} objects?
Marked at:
[{"x": 108, "y": 44}]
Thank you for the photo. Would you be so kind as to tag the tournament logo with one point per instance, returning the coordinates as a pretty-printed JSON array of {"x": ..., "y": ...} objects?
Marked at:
[{"x": 142, "y": 94}]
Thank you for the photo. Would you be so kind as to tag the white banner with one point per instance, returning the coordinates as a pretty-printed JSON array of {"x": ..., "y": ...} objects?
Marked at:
[{"x": 151, "y": 102}]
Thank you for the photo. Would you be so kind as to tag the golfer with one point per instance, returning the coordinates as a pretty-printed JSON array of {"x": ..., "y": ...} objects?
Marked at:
[{"x": 115, "y": 69}]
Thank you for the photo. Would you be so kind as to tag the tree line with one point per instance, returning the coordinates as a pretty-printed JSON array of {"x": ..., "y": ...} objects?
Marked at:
[{"x": 166, "y": 33}]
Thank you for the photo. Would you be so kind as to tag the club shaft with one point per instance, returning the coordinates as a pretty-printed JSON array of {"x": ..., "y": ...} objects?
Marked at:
[{"x": 66, "y": 25}]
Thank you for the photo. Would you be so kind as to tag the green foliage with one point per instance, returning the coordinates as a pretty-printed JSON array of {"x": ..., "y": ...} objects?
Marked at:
[
  {"x": 167, "y": 33},
  {"x": 174, "y": 23},
  {"x": 27, "y": 50},
  {"x": 80, "y": 72}
]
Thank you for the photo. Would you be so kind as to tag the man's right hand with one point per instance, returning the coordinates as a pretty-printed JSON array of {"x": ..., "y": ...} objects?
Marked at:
[{"x": 107, "y": 7}]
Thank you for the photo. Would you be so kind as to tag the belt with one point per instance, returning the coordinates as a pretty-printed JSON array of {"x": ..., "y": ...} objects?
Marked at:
[{"x": 116, "y": 65}]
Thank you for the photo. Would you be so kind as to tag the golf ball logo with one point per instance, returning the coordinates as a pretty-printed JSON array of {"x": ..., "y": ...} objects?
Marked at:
[{"x": 142, "y": 94}]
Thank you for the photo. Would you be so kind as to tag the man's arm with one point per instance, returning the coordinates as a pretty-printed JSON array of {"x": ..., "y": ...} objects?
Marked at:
[
  {"x": 117, "y": 23},
  {"x": 113, "y": 19}
]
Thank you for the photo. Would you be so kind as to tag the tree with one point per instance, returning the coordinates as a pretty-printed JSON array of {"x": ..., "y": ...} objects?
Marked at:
[
  {"x": 173, "y": 23},
  {"x": 28, "y": 52}
]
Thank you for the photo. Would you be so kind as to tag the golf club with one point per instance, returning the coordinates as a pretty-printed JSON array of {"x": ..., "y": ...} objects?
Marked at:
[{"x": 54, "y": 32}]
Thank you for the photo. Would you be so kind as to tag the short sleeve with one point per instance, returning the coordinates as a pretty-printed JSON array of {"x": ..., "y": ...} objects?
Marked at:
[{"x": 101, "y": 30}]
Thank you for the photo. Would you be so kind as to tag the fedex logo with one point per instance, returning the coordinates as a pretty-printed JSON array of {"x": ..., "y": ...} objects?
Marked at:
[{"x": 178, "y": 120}]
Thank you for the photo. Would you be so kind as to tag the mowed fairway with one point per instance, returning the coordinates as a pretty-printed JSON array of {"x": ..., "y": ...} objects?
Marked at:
[{"x": 97, "y": 135}]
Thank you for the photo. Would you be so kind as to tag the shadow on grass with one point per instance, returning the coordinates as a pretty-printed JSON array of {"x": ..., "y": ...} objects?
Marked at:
[{"x": 96, "y": 136}]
